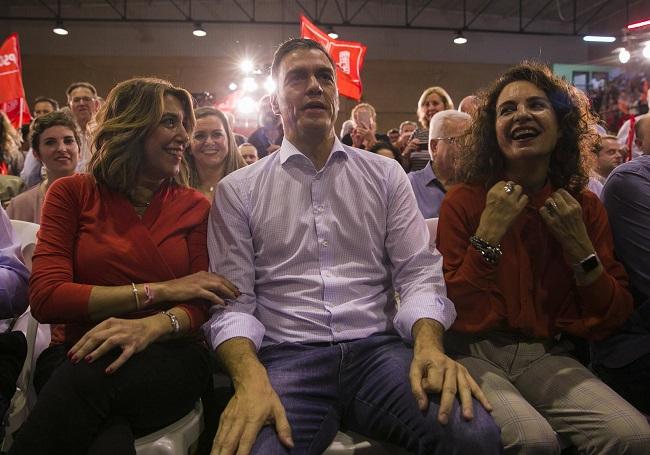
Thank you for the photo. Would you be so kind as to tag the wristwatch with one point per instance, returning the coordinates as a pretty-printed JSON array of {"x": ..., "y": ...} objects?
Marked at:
[{"x": 586, "y": 265}]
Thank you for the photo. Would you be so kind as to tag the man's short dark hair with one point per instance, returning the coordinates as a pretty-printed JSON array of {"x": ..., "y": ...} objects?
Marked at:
[
  {"x": 45, "y": 99},
  {"x": 75, "y": 85},
  {"x": 290, "y": 46}
]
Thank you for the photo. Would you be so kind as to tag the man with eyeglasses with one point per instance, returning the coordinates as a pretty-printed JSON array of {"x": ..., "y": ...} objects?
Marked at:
[
  {"x": 84, "y": 104},
  {"x": 432, "y": 182}
]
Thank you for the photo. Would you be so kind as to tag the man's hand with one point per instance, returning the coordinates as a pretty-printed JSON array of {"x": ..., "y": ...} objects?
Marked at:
[
  {"x": 432, "y": 371},
  {"x": 254, "y": 405}
]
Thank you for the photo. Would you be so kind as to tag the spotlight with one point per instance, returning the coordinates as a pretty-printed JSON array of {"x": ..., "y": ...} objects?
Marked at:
[
  {"x": 232, "y": 86},
  {"x": 623, "y": 55},
  {"x": 246, "y": 105},
  {"x": 638, "y": 24},
  {"x": 459, "y": 38},
  {"x": 59, "y": 29},
  {"x": 599, "y": 39},
  {"x": 269, "y": 85},
  {"x": 198, "y": 30},
  {"x": 247, "y": 66},
  {"x": 249, "y": 84},
  {"x": 331, "y": 33},
  {"x": 646, "y": 51}
]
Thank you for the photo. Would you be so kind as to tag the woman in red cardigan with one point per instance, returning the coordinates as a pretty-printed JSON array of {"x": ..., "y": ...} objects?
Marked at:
[
  {"x": 120, "y": 272},
  {"x": 528, "y": 259}
]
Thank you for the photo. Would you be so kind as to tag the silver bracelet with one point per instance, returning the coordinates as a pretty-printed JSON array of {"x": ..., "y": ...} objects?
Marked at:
[
  {"x": 490, "y": 253},
  {"x": 176, "y": 326}
]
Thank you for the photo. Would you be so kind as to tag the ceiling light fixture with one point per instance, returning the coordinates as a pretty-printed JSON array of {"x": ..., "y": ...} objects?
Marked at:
[
  {"x": 59, "y": 29},
  {"x": 623, "y": 56},
  {"x": 247, "y": 66},
  {"x": 459, "y": 38},
  {"x": 646, "y": 51},
  {"x": 198, "y": 30},
  {"x": 331, "y": 33},
  {"x": 638, "y": 24},
  {"x": 599, "y": 39}
]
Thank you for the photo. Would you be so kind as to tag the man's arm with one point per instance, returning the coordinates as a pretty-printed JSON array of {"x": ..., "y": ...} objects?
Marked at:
[
  {"x": 234, "y": 331},
  {"x": 425, "y": 311},
  {"x": 13, "y": 273}
]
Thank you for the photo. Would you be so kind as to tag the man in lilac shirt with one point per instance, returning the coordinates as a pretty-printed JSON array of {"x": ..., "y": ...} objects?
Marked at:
[{"x": 318, "y": 238}]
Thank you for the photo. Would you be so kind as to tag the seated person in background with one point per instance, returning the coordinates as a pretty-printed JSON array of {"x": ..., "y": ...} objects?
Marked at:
[
  {"x": 387, "y": 150},
  {"x": 13, "y": 302},
  {"x": 528, "y": 258},
  {"x": 31, "y": 172},
  {"x": 318, "y": 237},
  {"x": 416, "y": 152},
  {"x": 54, "y": 143},
  {"x": 212, "y": 153},
  {"x": 364, "y": 134},
  {"x": 623, "y": 360},
  {"x": 11, "y": 159},
  {"x": 430, "y": 184},
  {"x": 119, "y": 268},
  {"x": 609, "y": 154},
  {"x": 248, "y": 153},
  {"x": 268, "y": 137}
]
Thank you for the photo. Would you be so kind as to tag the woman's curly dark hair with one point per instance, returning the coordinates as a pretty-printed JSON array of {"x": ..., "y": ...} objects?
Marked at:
[{"x": 483, "y": 162}]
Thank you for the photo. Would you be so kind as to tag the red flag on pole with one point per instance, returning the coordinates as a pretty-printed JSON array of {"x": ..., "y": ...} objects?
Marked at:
[
  {"x": 347, "y": 55},
  {"x": 12, "y": 93}
]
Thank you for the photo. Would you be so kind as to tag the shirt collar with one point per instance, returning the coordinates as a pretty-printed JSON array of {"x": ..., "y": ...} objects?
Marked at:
[
  {"x": 288, "y": 150},
  {"x": 430, "y": 177}
]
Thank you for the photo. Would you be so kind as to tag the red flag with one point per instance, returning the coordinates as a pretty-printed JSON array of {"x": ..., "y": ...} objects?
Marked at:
[
  {"x": 347, "y": 55},
  {"x": 12, "y": 93}
]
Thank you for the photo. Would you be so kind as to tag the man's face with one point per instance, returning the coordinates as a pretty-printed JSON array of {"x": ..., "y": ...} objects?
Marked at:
[
  {"x": 444, "y": 152},
  {"x": 643, "y": 137},
  {"x": 393, "y": 136},
  {"x": 41, "y": 108},
  {"x": 248, "y": 153},
  {"x": 266, "y": 118},
  {"x": 307, "y": 98},
  {"x": 610, "y": 156},
  {"x": 83, "y": 104}
]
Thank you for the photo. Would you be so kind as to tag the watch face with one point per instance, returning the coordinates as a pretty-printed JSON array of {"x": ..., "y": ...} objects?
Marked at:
[{"x": 589, "y": 264}]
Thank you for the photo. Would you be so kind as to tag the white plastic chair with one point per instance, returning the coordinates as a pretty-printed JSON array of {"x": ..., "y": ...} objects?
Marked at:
[
  {"x": 175, "y": 439},
  {"x": 432, "y": 224}
]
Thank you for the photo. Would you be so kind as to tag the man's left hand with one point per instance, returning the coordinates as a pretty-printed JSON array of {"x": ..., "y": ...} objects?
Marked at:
[{"x": 432, "y": 371}]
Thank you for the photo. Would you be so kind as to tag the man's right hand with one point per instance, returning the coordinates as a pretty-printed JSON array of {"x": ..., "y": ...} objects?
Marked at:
[{"x": 254, "y": 405}]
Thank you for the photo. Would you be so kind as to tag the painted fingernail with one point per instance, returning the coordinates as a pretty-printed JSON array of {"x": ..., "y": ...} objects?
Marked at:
[
  {"x": 88, "y": 358},
  {"x": 109, "y": 370},
  {"x": 74, "y": 359},
  {"x": 70, "y": 354}
]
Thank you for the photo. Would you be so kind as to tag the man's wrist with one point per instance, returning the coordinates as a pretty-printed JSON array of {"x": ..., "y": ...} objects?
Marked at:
[{"x": 427, "y": 333}]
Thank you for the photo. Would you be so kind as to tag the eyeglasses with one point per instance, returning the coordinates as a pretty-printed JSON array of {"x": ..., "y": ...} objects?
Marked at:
[
  {"x": 452, "y": 140},
  {"x": 79, "y": 99}
]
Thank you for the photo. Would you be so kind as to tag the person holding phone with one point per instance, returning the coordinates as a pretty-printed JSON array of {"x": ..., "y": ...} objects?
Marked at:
[{"x": 364, "y": 134}]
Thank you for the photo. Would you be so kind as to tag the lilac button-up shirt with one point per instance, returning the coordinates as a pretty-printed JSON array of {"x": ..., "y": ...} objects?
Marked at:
[
  {"x": 319, "y": 254},
  {"x": 428, "y": 191},
  {"x": 13, "y": 273}
]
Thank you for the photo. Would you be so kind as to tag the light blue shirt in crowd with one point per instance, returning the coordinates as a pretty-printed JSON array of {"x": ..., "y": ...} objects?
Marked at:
[
  {"x": 319, "y": 254},
  {"x": 13, "y": 273},
  {"x": 429, "y": 191}
]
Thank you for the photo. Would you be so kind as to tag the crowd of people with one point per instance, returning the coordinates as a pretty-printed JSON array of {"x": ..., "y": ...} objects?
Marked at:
[{"x": 299, "y": 263}]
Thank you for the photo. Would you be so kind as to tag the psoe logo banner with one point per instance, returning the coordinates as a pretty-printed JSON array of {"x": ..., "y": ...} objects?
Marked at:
[{"x": 8, "y": 59}]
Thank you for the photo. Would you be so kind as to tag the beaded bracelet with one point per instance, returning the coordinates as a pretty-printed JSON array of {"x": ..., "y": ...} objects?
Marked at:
[
  {"x": 490, "y": 253},
  {"x": 137, "y": 298}
]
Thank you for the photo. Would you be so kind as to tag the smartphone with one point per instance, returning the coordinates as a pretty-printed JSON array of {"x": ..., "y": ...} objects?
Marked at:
[{"x": 363, "y": 118}]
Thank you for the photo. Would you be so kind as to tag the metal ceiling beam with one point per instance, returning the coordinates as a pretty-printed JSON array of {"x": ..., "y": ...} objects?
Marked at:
[
  {"x": 485, "y": 6},
  {"x": 599, "y": 8},
  {"x": 114, "y": 8},
  {"x": 251, "y": 17},
  {"x": 536, "y": 15},
  {"x": 49, "y": 8},
  {"x": 419, "y": 12}
]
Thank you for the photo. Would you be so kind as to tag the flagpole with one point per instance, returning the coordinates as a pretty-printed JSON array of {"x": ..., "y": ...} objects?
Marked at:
[{"x": 20, "y": 112}]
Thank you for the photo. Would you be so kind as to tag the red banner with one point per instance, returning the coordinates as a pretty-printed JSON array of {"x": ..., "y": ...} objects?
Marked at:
[
  {"x": 347, "y": 55},
  {"x": 12, "y": 93}
]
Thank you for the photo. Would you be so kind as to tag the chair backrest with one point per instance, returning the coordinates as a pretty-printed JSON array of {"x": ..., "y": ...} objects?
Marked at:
[
  {"x": 26, "y": 232},
  {"x": 432, "y": 224}
]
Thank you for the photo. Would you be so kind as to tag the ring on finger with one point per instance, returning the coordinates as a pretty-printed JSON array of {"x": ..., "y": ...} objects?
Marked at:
[
  {"x": 552, "y": 206},
  {"x": 509, "y": 187}
]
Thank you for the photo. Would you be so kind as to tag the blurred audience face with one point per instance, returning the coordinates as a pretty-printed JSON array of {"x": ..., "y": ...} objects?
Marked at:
[
  {"x": 610, "y": 155},
  {"x": 209, "y": 144},
  {"x": 42, "y": 107},
  {"x": 388, "y": 153},
  {"x": 469, "y": 105},
  {"x": 643, "y": 134},
  {"x": 431, "y": 105},
  {"x": 266, "y": 118},
  {"x": 249, "y": 153},
  {"x": 83, "y": 105},
  {"x": 58, "y": 151},
  {"x": 393, "y": 135},
  {"x": 164, "y": 146}
]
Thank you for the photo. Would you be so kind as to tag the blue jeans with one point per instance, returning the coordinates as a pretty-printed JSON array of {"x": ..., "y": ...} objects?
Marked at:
[{"x": 363, "y": 386}]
